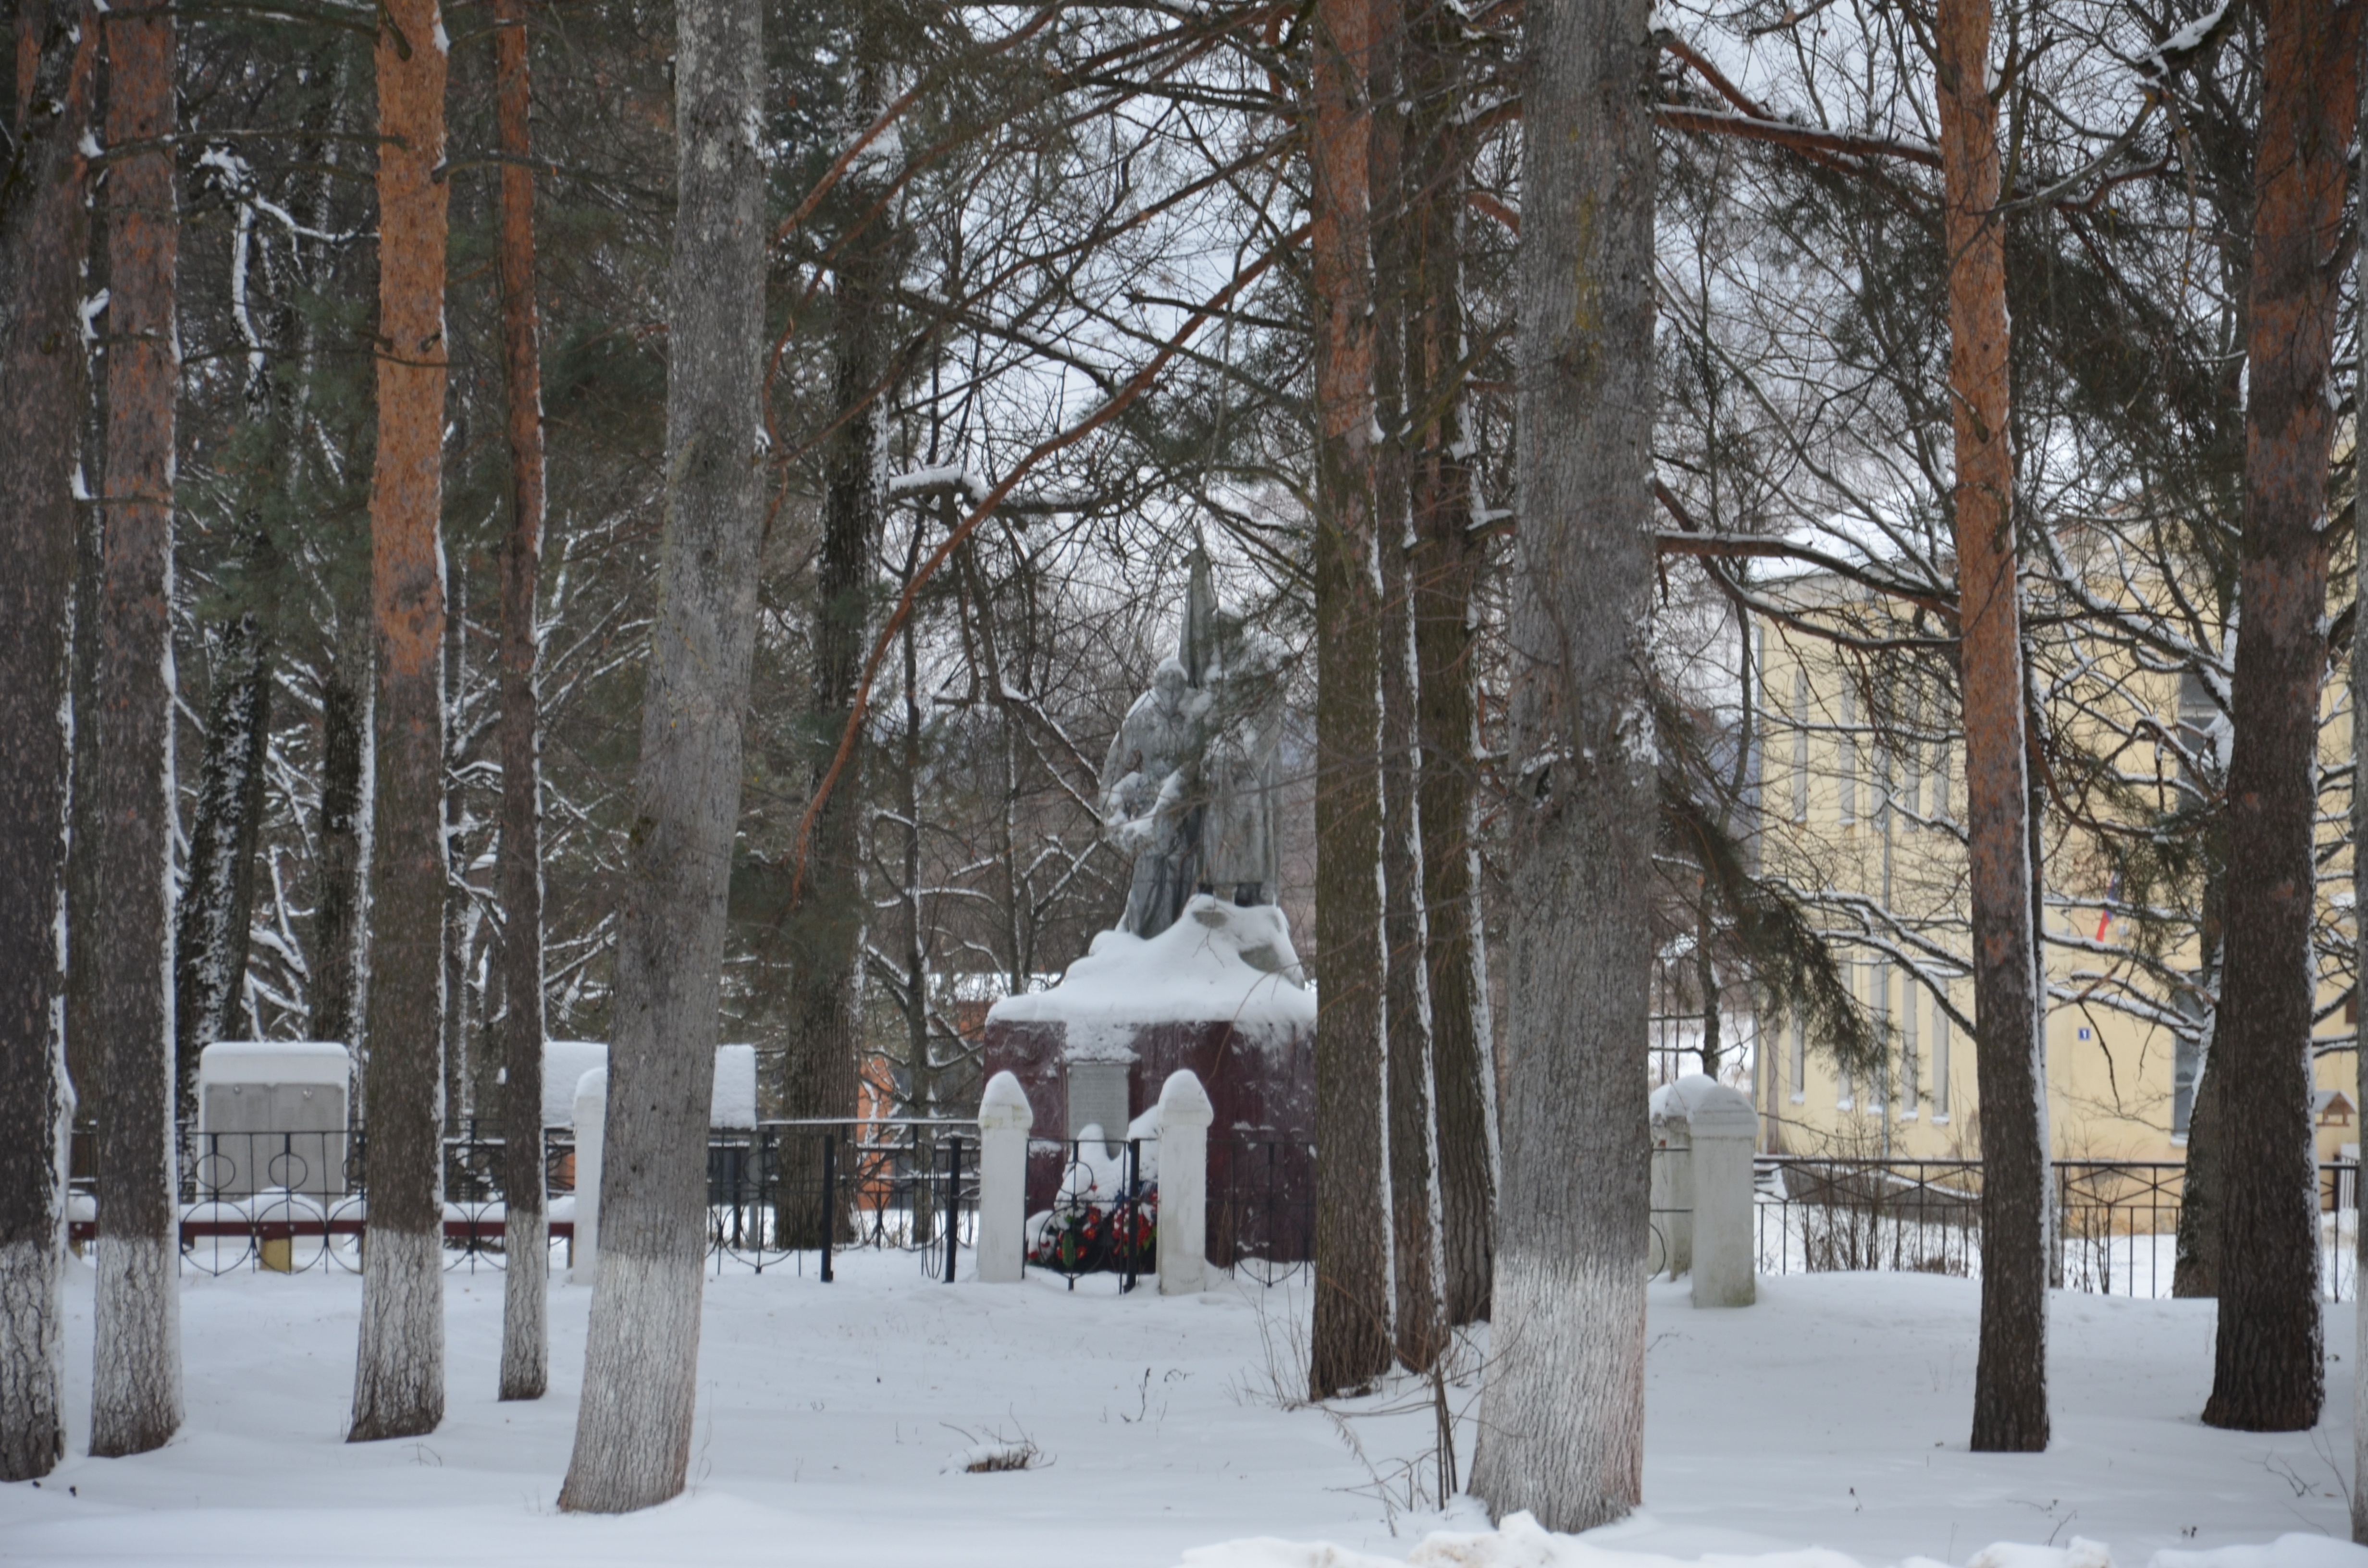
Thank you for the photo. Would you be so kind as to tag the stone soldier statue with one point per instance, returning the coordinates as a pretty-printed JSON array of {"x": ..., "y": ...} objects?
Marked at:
[
  {"x": 1147, "y": 798},
  {"x": 1189, "y": 786}
]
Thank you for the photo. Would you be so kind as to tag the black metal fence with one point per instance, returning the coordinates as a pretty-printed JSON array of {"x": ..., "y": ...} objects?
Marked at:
[
  {"x": 295, "y": 1201},
  {"x": 782, "y": 1193},
  {"x": 2116, "y": 1221}
]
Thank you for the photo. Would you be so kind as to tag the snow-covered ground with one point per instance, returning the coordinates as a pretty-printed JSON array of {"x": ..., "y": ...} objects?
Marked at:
[{"x": 834, "y": 1422}]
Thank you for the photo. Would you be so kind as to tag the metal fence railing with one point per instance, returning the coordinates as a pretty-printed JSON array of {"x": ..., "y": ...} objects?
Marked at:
[
  {"x": 2116, "y": 1221},
  {"x": 295, "y": 1201}
]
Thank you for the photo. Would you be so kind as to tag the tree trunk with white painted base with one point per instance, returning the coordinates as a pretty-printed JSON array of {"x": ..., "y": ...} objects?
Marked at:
[
  {"x": 526, "y": 1240},
  {"x": 1562, "y": 1413},
  {"x": 641, "y": 1363},
  {"x": 42, "y": 242},
  {"x": 399, "y": 1372},
  {"x": 136, "y": 1378}
]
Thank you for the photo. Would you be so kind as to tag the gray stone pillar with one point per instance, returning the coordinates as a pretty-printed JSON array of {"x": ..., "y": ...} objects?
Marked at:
[
  {"x": 1725, "y": 1251},
  {"x": 591, "y": 1125}
]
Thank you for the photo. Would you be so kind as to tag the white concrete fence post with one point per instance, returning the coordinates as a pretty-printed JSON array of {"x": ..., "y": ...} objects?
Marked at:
[
  {"x": 591, "y": 1125},
  {"x": 1670, "y": 1241},
  {"x": 1725, "y": 1129},
  {"x": 1004, "y": 1119},
  {"x": 1184, "y": 1116}
]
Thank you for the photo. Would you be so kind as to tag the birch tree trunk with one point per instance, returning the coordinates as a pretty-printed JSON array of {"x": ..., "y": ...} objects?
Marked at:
[
  {"x": 1562, "y": 1413},
  {"x": 336, "y": 958},
  {"x": 136, "y": 1386},
  {"x": 633, "y": 1434},
  {"x": 1405, "y": 1012},
  {"x": 2010, "y": 1375},
  {"x": 399, "y": 1374},
  {"x": 526, "y": 1237},
  {"x": 1442, "y": 573},
  {"x": 1350, "y": 1342},
  {"x": 2268, "y": 1374},
  {"x": 218, "y": 891},
  {"x": 2359, "y": 870},
  {"x": 42, "y": 243}
]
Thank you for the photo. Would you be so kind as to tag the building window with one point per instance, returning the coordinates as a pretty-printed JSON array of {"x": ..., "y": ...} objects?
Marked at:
[
  {"x": 1912, "y": 755},
  {"x": 1846, "y": 757},
  {"x": 1800, "y": 746},
  {"x": 1800, "y": 1060},
  {"x": 1910, "y": 1094},
  {"x": 1878, "y": 1000},
  {"x": 1940, "y": 1060}
]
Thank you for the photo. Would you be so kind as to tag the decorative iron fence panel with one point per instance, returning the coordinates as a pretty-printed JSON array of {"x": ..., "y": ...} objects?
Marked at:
[{"x": 2116, "y": 1221}]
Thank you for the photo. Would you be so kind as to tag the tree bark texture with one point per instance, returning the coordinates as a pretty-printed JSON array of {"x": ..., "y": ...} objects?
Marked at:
[
  {"x": 2267, "y": 1372},
  {"x": 2196, "y": 1272},
  {"x": 399, "y": 1375},
  {"x": 1563, "y": 1412},
  {"x": 1406, "y": 1010},
  {"x": 1442, "y": 570},
  {"x": 526, "y": 1237},
  {"x": 824, "y": 1060},
  {"x": 2359, "y": 871},
  {"x": 1350, "y": 1342},
  {"x": 218, "y": 891},
  {"x": 43, "y": 237},
  {"x": 633, "y": 1434},
  {"x": 136, "y": 1386},
  {"x": 2010, "y": 1374},
  {"x": 337, "y": 922}
]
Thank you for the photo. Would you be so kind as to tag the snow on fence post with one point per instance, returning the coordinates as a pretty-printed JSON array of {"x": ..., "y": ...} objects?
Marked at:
[
  {"x": 1725, "y": 1129},
  {"x": 1004, "y": 1119},
  {"x": 591, "y": 1123},
  {"x": 1184, "y": 1116},
  {"x": 1672, "y": 1219}
]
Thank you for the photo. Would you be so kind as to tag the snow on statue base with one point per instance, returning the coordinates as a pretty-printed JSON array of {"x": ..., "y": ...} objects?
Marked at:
[{"x": 1220, "y": 994}]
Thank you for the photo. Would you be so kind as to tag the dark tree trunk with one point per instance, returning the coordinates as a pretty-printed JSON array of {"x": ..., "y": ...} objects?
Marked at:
[
  {"x": 525, "y": 1246},
  {"x": 633, "y": 1433},
  {"x": 827, "y": 925},
  {"x": 136, "y": 1386},
  {"x": 399, "y": 1375},
  {"x": 2359, "y": 1488},
  {"x": 1444, "y": 566},
  {"x": 2010, "y": 1375},
  {"x": 2197, "y": 1271},
  {"x": 336, "y": 987},
  {"x": 1405, "y": 1000},
  {"x": 43, "y": 239},
  {"x": 1562, "y": 1413},
  {"x": 2268, "y": 1374},
  {"x": 1351, "y": 1337},
  {"x": 218, "y": 892}
]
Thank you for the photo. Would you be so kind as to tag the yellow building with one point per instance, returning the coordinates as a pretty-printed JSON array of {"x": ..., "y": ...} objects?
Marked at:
[{"x": 1861, "y": 803}]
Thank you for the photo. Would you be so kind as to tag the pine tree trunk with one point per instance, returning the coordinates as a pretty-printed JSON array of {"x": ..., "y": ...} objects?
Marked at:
[
  {"x": 399, "y": 1373},
  {"x": 1406, "y": 1011},
  {"x": 1562, "y": 1413},
  {"x": 633, "y": 1434},
  {"x": 2010, "y": 1375},
  {"x": 2196, "y": 1272},
  {"x": 211, "y": 939},
  {"x": 526, "y": 1237},
  {"x": 1441, "y": 575},
  {"x": 136, "y": 1387},
  {"x": 42, "y": 243},
  {"x": 2268, "y": 1374},
  {"x": 1350, "y": 1344},
  {"x": 826, "y": 1034}
]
